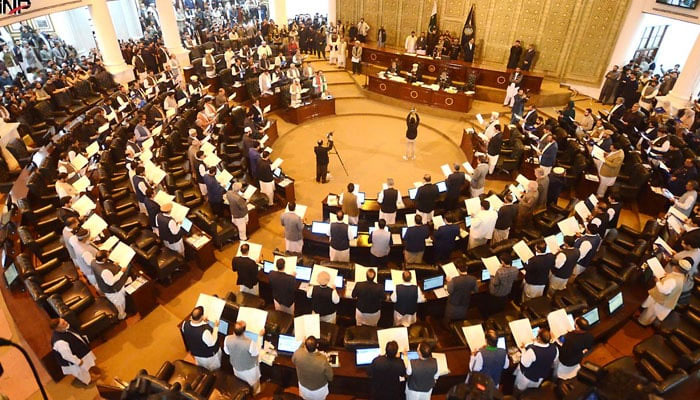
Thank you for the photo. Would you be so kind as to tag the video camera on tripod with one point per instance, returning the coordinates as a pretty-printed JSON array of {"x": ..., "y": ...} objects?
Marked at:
[{"x": 331, "y": 145}]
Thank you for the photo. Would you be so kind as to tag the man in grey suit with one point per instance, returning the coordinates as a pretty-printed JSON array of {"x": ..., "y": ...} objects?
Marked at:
[
  {"x": 313, "y": 371},
  {"x": 479, "y": 177},
  {"x": 239, "y": 210},
  {"x": 293, "y": 229},
  {"x": 243, "y": 355},
  {"x": 460, "y": 289}
]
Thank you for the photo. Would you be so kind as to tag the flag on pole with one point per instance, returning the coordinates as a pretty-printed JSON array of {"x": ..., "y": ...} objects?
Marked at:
[
  {"x": 432, "y": 25},
  {"x": 468, "y": 30}
]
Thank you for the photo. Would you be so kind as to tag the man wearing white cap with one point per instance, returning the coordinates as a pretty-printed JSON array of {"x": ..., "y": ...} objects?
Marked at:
[
  {"x": 264, "y": 49},
  {"x": 664, "y": 296},
  {"x": 195, "y": 87},
  {"x": 490, "y": 130},
  {"x": 265, "y": 83},
  {"x": 609, "y": 168},
  {"x": 209, "y": 63},
  {"x": 170, "y": 231}
]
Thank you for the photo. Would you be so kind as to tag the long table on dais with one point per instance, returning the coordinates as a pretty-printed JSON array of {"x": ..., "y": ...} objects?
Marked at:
[
  {"x": 460, "y": 102},
  {"x": 316, "y": 109}
]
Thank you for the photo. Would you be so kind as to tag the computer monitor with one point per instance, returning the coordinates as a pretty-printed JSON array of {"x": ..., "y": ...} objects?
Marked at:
[
  {"x": 353, "y": 231},
  {"x": 412, "y": 355},
  {"x": 592, "y": 316},
  {"x": 11, "y": 274},
  {"x": 223, "y": 326},
  {"x": 535, "y": 331},
  {"x": 277, "y": 173},
  {"x": 366, "y": 356},
  {"x": 433, "y": 283},
  {"x": 485, "y": 275},
  {"x": 442, "y": 186},
  {"x": 560, "y": 238},
  {"x": 501, "y": 343},
  {"x": 403, "y": 231},
  {"x": 388, "y": 285},
  {"x": 320, "y": 228},
  {"x": 339, "y": 282},
  {"x": 287, "y": 344},
  {"x": 615, "y": 303},
  {"x": 468, "y": 221},
  {"x": 268, "y": 266},
  {"x": 361, "y": 197},
  {"x": 412, "y": 193},
  {"x": 251, "y": 335},
  {"x": 303, "y": 273},
  {"x": 517, "y": 263}
]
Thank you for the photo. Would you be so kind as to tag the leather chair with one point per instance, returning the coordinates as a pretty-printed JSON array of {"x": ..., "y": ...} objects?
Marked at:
[
  {"x": 44, "y": 247},
  {"x": 126, "y": 218},
  {"x": 192, "y": 201},
  {"x": 421, "y": 332},
  {"x": 246, "y": 300},
  {"x": 226, "y": 80},
  {"x": 628, "y": 237},
  {"x": 48, "y": 274},
  {"x": 595, "y": 286},
  {"x": 121, "y": 198},
  {"x": 104, "y": 82},
  {"x": 84, "y": 92},
  {"x": 221, "y": 230},
  {"x": 358, "y": 337},
  {"x": 622, "y": 371},
  {"x": 51, "y": 116},
  {"x": 620, "y": 263},
  {"x": 95, "y": 315},
  {"x": 570, "y": 296},
  {"x": 158, "y": 261},
  {"x": 75, "y": 294},
  {"x": 44, "y": 219},
  {"x": 41, "y": 193},
  {"x": 685, "y": 326},
  {"x": 663, "y": 362},
  {"x": 189, "y": 376}
]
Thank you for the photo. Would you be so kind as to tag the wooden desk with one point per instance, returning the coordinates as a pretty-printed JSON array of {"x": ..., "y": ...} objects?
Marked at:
[
  {"x": 285, "y": 194},
  {"x": 143, "y": 300},
  {"x": 317, "y": 108},
  {"x": 459, "y": 101},
  {"x": 458, "y": 70},
  {"x": 202, "y": 257}
]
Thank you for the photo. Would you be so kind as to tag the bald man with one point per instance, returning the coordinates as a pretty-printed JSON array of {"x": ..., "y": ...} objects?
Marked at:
[{"x": 243, "y": 355}]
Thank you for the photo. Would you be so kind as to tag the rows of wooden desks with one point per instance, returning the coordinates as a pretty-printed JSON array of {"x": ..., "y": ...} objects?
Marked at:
[{"x": 458, "y": 101}]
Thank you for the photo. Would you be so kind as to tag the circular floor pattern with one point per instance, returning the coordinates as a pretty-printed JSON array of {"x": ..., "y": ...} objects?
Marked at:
[{"x": 371, "y": 146}]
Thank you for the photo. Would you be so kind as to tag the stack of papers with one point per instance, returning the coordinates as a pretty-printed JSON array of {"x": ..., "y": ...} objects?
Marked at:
[
  {"x": 95, "y": 225},
  {"x": 473, "y": 205},
  {"x": 307, "y": 325},
  {"x": 492, "y": 264},
  {"x": 83, "y": 206},
  {"x": 569, "y": 226},
  {"x": 213, "y": 307},
  {"x": 450, "y": 270},
  {"x": 122, "y": 254},
  {"x": 254, "y": 318},
  {"x": 475, "y": 336},
  {"x": 656, "y": 267},
  {"x": 399, "y": 334},
  {"x": 559, "y": 323},
  {"x": 522, "y": 332}
]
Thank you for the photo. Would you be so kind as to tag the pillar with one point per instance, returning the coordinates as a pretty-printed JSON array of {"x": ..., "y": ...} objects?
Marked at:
[
  {"x": 171, "y": 34},
  {"x": 107, "y": 43},
  {"x": 278, "y": 11},
  {"x": 683, "y": 91},
  {"x": 331, "y": 12}
]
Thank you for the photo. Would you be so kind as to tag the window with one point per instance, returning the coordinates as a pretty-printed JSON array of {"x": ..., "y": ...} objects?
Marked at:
[{"x": 650, "y": 42}]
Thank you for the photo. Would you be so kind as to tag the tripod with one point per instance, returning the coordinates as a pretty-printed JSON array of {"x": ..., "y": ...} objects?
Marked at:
[{"x": 335, "y": 151}]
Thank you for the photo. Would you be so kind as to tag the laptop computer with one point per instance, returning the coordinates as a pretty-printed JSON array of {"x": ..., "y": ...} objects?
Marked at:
[
  {"x": 268, "y": 266},
  {"x": 442, "y": 187},
  {"x": 485, "y": 275},
  {"x": 615, "y": 303},
  {"x": 303, "y": 273},
  {"x": 388, "y": 285},
  {"x": 364, "y": 357},
  {"x": 592, "y": 316},
  {"x": 287, "y": 344},
  {"x": 433, "y": 283},
  {"x": 320, "y": 228}
]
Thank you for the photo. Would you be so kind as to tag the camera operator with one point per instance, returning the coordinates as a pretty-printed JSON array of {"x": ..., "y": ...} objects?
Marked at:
[{"x": 322, "y": 158}]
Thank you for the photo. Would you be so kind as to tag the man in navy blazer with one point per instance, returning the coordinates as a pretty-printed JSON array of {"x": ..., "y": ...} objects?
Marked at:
[{"x": 548, "y": 152}]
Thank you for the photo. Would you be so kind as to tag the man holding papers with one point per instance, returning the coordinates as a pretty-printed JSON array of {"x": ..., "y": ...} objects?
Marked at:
[
  {"x": 490, "y": 359},
  {"x": 387, "y": 373},
  {"x": 564, "y": 264},
  {"x": 536, "y": 362},
  {"x": 215, "y": 192},
  {"x": 283, "y": 287},
  {"x": 483, "y": 224},
  {"x": 548, "y": 153},
  {"x": 369, "y": 295},
  {"x": 84, "y": 253},
  {"x": 587, "y": 245},
  {"x": 414, "y": 241},
  {"x": 200, "y": 340},
  {"x": 460, "y": 289},
  {"x": 479, "y": 177},
  {"x": 537, "y": 272},
  {"x": 314, "y": 372},
  {"x": 239, "y": 210},
  {"x": 506, "y": 219},
  {"x": 609, "y": 168},
  {"x": 406, "y": 296},
  {"x": 685, "y": 203},
  {"x": 243, "y": 355},
  {"x": 663, "y": 297},
  {"x": 526, "y": 205},
  {"x": 340, "y": 236},
  {"x": 63, "y": 188},
  {"x": 247, "y": 270},
  {"x": 574, "y": 346},
  {"x": 426, "y": 197},
  {"x": 293, "y": 229},
  {"x": 71, "y": 350},
  {"x": 422, "y": 373},
  {"x": 500, "y": 285},
  {"x": 389, "y": 200},
  {"x": 324, "y": 298},
  {"x": 169, "y": 230},
  {"x": 265, "y": 177},
  {"x": 111, "y": 280},
  {"x": 380, "y": 239},
  {"x": 141, "y": 185},
  {"x": 454, "y": 182},
  {"x": 444, "y": 238}
]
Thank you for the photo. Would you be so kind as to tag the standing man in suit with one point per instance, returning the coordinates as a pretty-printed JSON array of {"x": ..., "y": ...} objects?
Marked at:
[
  {"x": 389, "y": 201},
  {"x": 243, "y": 355},
  {"x": 426, "y": 198},
  {"x": 548, "y": 153},
  {"x": 169, "y": 231},
  {"x": 215, "y": 192},
  {"x": 537, "y": 270},
  {"x": 369, "y": 295},
  {"x": 324, "y": 298},
  {"x": 322, "y": 161},
  {"x": 313, "y": 370},
  {"x": 617, "y": 111},
  {"x": 356, "y": 58},
  {"x": 587, "y": 244},
  {"x": 422, "y": 373},
  {"x": 515, "y": 52},
  {"x": 564, "y": 263},
  {"x": 111, "y": 280},
  {"x": 381, "y": 37},
  {"x": 493, "y": 149},
  {"x": 528, "y": 58},
  {"x": 460, "y": 289},
  {"x": 483, "y": 224},
  {"x": 414, "y": 242},
  {"x": 200, "y": 340},
  {"x": 293, "y": 229},
  {"x": 490, "y": 359},
  {"x": 513, "y": 86},
  {"x": 406, "y": 297},
  {"x": 412, "y": 122},
  {"x": 72, "y": 351},
  {"x": 239, "y": 210},
  {"x": 387, "y": 373},
  {"x": 469, "y": 50},
  {"x": 444, "y": 238},
  {"x": 350, "y": 204},
  {"x": 380, "y": 239},
  {"x": 339, "y": 249},
  {"x": 478, "y": 181},
  {"x": 247, "y": 270},
  {"x": 283, "y": 287},
  {"x": 609, "y": 168},
  {"x": 265, "y": 177},
  {"x": 454, "y": 182},
  {"x": 536, "y": 362},
  {"x": 141, "y": 186},
  {"x": 506, "y": 218}
]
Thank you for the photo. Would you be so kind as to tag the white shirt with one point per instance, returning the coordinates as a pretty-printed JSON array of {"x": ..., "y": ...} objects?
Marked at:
[
  {"x": 410, "y": 44},
  {"x": 265, "y": 84},
  {"x": 63, "y": 348},
  {"x": 529, "y": 356},
  {"x": 264, "y": 50},
  {"x": 483, "y": 224},
  {"x": 334, "y": 295}
]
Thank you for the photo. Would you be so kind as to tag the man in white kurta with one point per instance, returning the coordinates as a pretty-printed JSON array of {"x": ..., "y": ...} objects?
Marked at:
[
  {"x": 410, "y": 44},
  {"x": 664, "y": 296},
  {"x": 79, "y": 367},
  {"x": 243, "y": 355}
]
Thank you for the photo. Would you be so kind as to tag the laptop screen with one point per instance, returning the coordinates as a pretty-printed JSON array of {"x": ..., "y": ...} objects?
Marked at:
[
  {"x": 517, "y": 263},
  {"x": 361, "y": 197},
  {"x": 353, "y": 230},
  {"x": 501, "y": 343},
  {"x": 287, "y": 344},
  {"x": 560, "y": 238},
  {"x": 11, "y": 274},
  {"x": 468, "y": 221},
  {"x": 320, "y": 228},
  {"x": 442, "y": 187},
  {"x": 303, "y": 273},
  {"x": 412, "y": 355},
  {"x": 615, "y": 303},
  {"x": 592, "y": 316},
  {"x": 412, "y": 193},
  {"x": 485, "y": 275},
  {"x": 223, "y": 326},
  {"x": 268, "y": 266},
  {"x": 388, "y": 285},
  {"x": 433, "y": 283},
  {"x": 403, "y": 231},
  {"x": 339, "y": 282},
  {"x": 366, "y": 356},
  {"x": 252, "y": 336}
]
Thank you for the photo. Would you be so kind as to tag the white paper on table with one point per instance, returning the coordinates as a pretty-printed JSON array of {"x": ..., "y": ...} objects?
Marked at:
[
  {"x": 254, "y": 250},
  {"x": 163, "y": 197},
  {"x": 249, "y": 192},
  {"x": 334, "y": 218},
  {"x": 522, "y": 180},
  {"x": 450, "y": 270},
  {"x": 656, "y": 267},
  {"x": 223, "y": 177},
  {"x": 559, "y": 323},
  {"x": 569, "y": 226},
  {"x": 179, "y": 212},
  {"x": 597, "y": 152},
  {"x": 122, "y": 254},
  {"x": 446, "y": 170},
  {"x": 441, "y": 359},
  {"x": 522, "y": 332},
  {"x": 523, "y": 251},
  {"x": 441, "y": 292},
  {"x": 81, "y": 184},
  {"x": 83, "y": 206},
  {"x": 307, "y": 325},
  {"x": 79, "y": 161},
  {"x": 492, "y": 264},
  {"x": 332, "y": 200},
  {"x": 332, "y": 272},
  {"x": 495, "y": 202},
  {"x": 213, "y": 307},
  {"x": 108, "y": 244},
  {"x": 473, "y": 205},
  {"x": 582, "y": 210},
  {"x": 95, "y": 225},
  {"x": 552, "y": 243},
  {"x": 207, "y": 148},
  {"x": 92, "y": 149},
  {"x": 275, "y": 164},
  {"x": 290, "y": 264},
  {"x": 397, "y": 277},
  {"x": 475, "y": 336},
  {"x": 410, "y": 220},
  {"x": 361, "y": 273},
  {"x": 299, "y": 210},
  {"x": 254, "y": 318},
  {"x": 398, "y": 334},
  {"x": 438, "y": 221}
]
